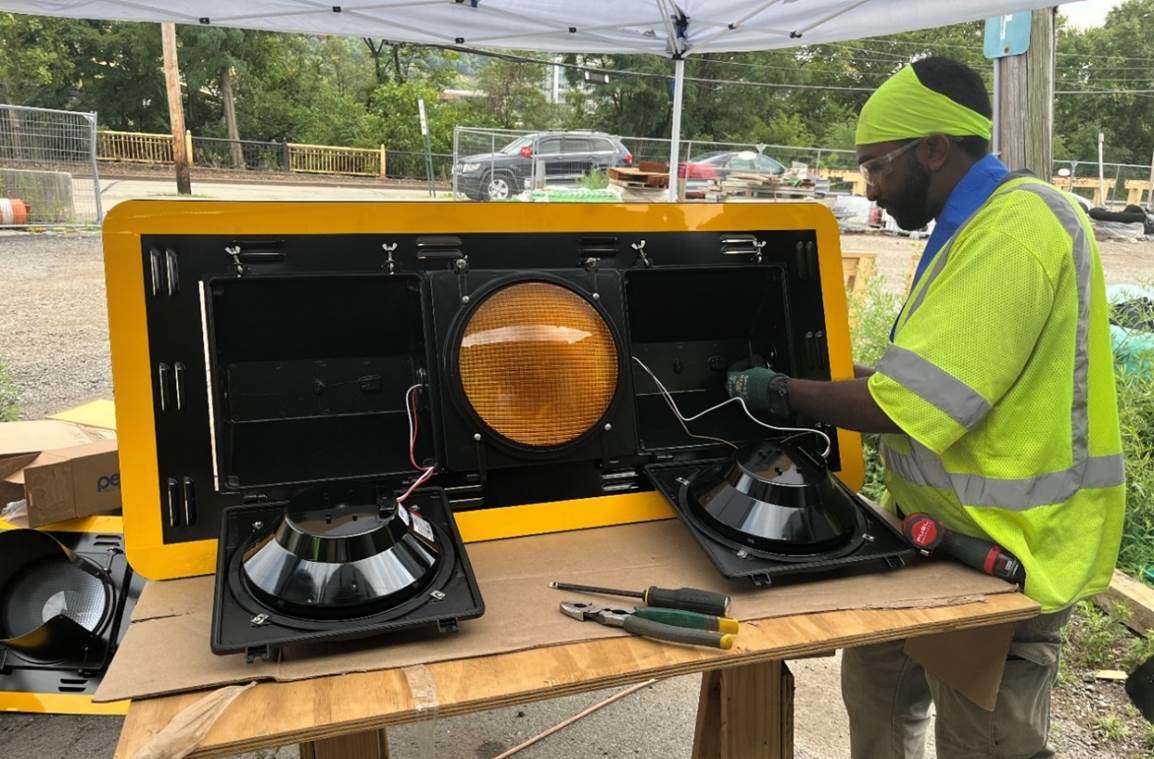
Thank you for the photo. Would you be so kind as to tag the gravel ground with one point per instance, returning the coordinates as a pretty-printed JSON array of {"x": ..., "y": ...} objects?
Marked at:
[
  {"x": 54, "y": 320},
  {"x": 54, "y": 343}
]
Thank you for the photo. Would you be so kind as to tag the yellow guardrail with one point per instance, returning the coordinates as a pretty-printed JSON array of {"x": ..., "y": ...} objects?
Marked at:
[
  {"x": 325, "y": 159},
  {"x": 147, "y": 147},
  {"x": 136, "y": 147}
]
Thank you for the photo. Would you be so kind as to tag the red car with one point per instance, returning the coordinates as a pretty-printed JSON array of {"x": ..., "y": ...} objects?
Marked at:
[{"x": 720, "y": 164}]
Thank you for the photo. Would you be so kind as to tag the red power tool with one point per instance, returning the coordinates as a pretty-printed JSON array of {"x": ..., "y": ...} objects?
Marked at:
[{"x": 928, "y": 535}]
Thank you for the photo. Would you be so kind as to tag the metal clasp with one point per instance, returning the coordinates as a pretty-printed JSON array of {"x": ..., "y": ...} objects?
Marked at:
[
  {"x": 639, "y": 246},
  {"x": 234, "y": 251},
  {"x": 390, "y": 264}
]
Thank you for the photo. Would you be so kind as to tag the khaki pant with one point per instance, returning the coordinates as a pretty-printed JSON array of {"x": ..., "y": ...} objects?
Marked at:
[{"x": 888, "y": 694}]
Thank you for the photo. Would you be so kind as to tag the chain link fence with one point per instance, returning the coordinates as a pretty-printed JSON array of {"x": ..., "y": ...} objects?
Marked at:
[
  {"x": 239, "y": 155},
  {"x": 48, "y": 172},
  {"x": 714, "y": 170},
  {"x": 410, "y": 164},
  {"x": 497, "y": 164},
  {"x": 1118, "y": 184},
  {"x": 219, "y": 154}
]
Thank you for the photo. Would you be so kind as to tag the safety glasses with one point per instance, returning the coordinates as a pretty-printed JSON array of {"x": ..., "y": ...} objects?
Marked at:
[{"x": 876, "y": 169}]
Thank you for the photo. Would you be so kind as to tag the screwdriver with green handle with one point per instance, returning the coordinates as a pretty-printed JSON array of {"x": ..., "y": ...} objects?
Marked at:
[
  {"x": 673, "y": 625},
  {"x": 688, "y": 599},
  {"x": 690, "y": 619}
]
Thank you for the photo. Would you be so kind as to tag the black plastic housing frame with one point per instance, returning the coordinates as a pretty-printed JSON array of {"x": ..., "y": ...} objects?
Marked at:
[
  {"x": 880, "y": 541},
  {"x": 80, "y": 674},
  {"x": 241, "y": 623},
  {"x": 187, "y": 323}
]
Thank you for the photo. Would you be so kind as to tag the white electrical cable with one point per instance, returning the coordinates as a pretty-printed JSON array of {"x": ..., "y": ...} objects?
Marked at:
[
  {"x": 676, "y": 412},
  {"x": 426, "y": 473},
  {"x": 736, "y": 399}
]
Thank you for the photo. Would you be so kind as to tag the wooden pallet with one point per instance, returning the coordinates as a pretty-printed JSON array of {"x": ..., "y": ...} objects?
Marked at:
[
  {"x": 857, "y": 268},
  {"x": 629, "y": 176}
]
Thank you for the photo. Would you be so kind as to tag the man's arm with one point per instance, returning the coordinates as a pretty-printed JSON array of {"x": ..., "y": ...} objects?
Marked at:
[{"x": 843, "y": 403}]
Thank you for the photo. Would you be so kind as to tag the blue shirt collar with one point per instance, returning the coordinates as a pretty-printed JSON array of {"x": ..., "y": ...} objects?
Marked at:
[{"x": 974, "y": 188}]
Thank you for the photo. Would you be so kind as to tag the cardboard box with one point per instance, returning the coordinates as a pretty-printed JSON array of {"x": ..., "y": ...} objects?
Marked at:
[{"x": 63, "y": 470}]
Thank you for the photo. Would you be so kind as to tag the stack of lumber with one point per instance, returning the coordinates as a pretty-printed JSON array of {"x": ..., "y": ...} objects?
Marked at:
[{"x": 742, "y": 185}]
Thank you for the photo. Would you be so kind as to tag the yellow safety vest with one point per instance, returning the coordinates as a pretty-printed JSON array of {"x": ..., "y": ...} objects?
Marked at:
[{"x": 1001, "y": 376}]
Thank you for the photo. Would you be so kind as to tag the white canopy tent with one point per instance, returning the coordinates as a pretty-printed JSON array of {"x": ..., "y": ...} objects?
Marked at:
[{"x": 673, "y": 28}]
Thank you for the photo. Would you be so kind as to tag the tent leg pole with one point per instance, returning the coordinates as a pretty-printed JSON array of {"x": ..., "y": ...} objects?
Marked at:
[{"x": 675, "y": 133}]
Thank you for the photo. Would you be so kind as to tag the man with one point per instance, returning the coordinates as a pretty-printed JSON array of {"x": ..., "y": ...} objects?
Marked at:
[{"x": 995, "y": 398}]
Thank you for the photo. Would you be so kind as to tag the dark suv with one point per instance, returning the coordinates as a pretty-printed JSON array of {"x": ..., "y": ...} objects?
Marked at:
[{"x": 563, "y": 157}]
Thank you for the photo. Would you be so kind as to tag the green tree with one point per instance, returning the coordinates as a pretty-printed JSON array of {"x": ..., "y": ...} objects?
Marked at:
[
  {"x": 116, "y": 72},
  {"x": 1119, "y": 55},
  {"x": 514, "y": 96},
  {"x": 36, "y": 57}
]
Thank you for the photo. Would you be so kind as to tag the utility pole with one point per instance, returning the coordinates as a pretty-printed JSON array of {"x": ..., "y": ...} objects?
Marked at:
[
  {"x": 1025, "y": 107},
  {"x": 175, "y": 108}
]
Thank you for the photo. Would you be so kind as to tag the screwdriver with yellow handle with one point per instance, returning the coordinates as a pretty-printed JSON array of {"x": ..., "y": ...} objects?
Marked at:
[{"x": 689, "y": 599}]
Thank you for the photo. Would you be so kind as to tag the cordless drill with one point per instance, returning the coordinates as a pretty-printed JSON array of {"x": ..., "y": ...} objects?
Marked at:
[{"x": 929, "y": 535}]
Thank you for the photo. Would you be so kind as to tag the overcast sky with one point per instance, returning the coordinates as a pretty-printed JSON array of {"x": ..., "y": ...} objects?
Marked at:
[{"x": 1088, "y": 12}]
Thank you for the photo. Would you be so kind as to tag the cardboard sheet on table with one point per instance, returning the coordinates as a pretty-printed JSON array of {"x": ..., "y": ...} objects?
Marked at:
[{"x": 166, "y": 649}]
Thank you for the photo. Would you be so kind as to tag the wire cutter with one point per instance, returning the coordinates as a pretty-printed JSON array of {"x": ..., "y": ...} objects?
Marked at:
[{"x": 672, "y": 625}]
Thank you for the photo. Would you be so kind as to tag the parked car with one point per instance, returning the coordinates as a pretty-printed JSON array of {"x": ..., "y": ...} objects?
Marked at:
[
  {"x": 718, "y": 165},
  {"x": 565, "y": 157}
]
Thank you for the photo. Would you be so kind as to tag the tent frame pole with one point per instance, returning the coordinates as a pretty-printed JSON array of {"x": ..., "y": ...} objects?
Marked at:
[{"x": 675, "y": 131}]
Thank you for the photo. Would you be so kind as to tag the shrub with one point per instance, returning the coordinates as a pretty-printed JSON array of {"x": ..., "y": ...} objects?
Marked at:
[
  {"x": 1136, "y": 419},
  {"x": 595, "y": 180},
  {"x": 872, "y": 311}
]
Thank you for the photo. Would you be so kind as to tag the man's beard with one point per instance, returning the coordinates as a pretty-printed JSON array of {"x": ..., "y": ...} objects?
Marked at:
[{"x": 909, "y": 209}]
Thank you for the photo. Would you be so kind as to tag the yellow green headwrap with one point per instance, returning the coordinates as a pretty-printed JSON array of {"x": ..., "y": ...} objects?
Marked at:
[{"x": 903, "y": 108}]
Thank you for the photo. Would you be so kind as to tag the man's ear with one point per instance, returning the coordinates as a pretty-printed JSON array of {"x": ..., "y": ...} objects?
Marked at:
[{"x": 934, "y": 151}]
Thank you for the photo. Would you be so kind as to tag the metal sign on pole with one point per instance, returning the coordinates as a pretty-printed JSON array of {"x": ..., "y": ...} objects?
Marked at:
[
  {"x": 1008, "y": 34},
  {"x": 1101, "y": 169},
  {"x": 91, "y": 118},
  {"x": 428, "y": 146},
  {"x": 1021, "y": 46}
]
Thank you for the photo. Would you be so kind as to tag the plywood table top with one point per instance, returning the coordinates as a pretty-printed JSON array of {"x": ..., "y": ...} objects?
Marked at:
[{"x": 281, "y": 713}]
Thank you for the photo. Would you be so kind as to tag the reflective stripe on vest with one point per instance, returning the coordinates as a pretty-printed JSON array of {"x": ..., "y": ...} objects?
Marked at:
[
  {"x": 955, "y": 398},
  {"x": 963, "y": 404}
]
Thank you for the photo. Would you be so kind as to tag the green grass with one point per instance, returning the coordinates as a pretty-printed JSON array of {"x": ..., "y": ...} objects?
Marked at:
[
  {"x": 1112, "y": 727},
  {"x": 9, "y": 399},
  {"x": 1099, "y": 638}
]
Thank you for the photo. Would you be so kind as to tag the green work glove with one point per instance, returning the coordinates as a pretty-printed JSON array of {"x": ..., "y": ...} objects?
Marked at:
[{"x": 762, "y": 388}]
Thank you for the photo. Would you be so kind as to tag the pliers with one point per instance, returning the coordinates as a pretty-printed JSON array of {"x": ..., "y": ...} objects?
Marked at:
[{"x": 673, "y": 625}]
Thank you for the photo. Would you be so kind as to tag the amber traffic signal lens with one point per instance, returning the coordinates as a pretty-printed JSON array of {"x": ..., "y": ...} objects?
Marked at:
[{"x": 538, "y": 364}]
